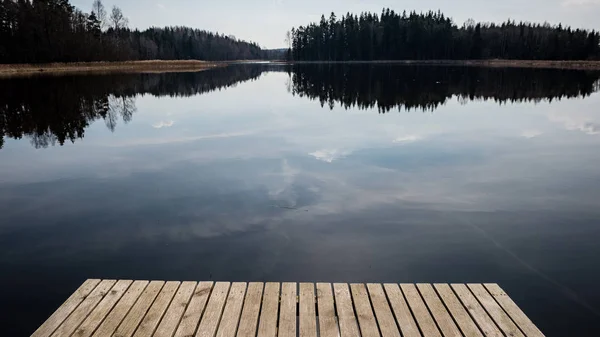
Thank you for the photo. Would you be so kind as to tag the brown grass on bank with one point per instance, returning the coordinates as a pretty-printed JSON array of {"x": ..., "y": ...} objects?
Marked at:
[
  {"x": 581, "y": 65},
  {"x": 159, "y": 66},
  {"x": 7, "y": 70}
]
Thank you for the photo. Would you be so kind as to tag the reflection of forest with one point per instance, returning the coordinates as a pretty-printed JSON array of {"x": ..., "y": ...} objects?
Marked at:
[
  {"x": 386, "y": 87},
  {"x": 51, "y": 110}
]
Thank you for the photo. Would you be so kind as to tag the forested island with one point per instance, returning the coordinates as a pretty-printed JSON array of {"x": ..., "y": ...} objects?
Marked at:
[{"x": 434, "y": 36}]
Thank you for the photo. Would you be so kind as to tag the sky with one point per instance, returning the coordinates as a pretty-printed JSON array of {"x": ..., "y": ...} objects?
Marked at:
[{"x": 267, "y": 21}]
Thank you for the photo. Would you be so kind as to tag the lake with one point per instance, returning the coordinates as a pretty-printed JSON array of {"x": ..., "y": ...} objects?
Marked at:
[{"x": 315, "y": 172}]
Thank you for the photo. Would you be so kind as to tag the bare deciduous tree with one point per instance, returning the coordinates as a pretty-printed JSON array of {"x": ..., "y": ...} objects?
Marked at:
[
  {"x": 470, "y": 23},
  {"x": 117, "y": 20},
  {"x": 288, "y": 39},
  {"x": 100, "y": 12}
]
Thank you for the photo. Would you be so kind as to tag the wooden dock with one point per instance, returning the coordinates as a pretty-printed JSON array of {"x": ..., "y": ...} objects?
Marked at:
[{"x": 125, "y": 308}]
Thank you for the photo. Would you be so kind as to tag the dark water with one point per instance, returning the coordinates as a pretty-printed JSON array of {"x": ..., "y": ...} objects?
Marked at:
[{"x": 306, "y": 173}]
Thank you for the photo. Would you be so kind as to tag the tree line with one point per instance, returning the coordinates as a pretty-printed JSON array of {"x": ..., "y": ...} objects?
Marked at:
[
  {"x": 40, "y": 31},
  {"x": 432, "y": 35}
]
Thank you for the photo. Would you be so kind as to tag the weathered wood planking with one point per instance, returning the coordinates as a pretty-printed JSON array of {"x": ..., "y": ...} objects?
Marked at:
[{"x": 126, "y": 308}]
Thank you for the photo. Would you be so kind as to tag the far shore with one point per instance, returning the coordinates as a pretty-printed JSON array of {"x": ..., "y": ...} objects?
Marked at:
[
  {"x": 160, "y": 66},
  {"x": 579, "y": 65},
  {"x": 153, "y": 66}
]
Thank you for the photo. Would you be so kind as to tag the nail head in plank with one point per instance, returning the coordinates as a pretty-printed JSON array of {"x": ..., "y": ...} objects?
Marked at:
[
  {"x": 383, "y": 313},
  {"x": 366, "y": 317},
  {"x": 157, "y": 309},
  {"x": 120, "y": 310},
  {"x": 513, "y": 310},
  {"x": 96, "y": 317},
  {"x": 287, "y": 311},
  {"x": 139, "y": 309},
  {"x": 460, "y": 314},
  {"x": 348, "y": 323},
  {"x": 405, "y": 320},
  {"x": 251, "y": 310},
  {"x": 416, "y": 304},
  {"x": 193, "y": 313},
  {"x": 267, "y": 326},
  {"x": 483, "y": 320},
  {"x": 439, "y": 312},
  {"x": 84, "y": 309},
  {"x": 327, "y": 321},
  {"x": 232, "y": 311},
  {"x": 66, "y": 308},
  {"x": 210, "y": 321},
  {"x": 171, "y": 319},
  {"x": 308, "y": 316},
  {"x": 495, "y": 311}
]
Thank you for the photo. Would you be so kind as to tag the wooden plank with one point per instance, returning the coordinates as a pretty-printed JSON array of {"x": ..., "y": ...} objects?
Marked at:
[
  {"x": 251, "y": 310},
  {"x": 405, "y": 320},
  {"x": 513, "y": 310},
  {"x": 125, "y": 308},
  {"x": 308, "y": 315},
  {"x": 193, "y": 313},
  {"x": 383, "y": 313},
  {"x": 439, "y": 312},
  {"x": 172, "y": 316},
  {"x": 267, "y": 326},
  {"x": 485, "y": 323},
  {"x": 83, "y": 310},
  {"x": 116, "y": 315},
  {"x": 460, "y": 314},
  {"x": 348, "y": 323},
  {"x": 416, "y": 304},
  {"x": 233, "y": 309},
  {"x": 66, "y": 308},
  {"x": 495, "y": 311},
  {"x": 96, "y": 317},
  {"x": 139, "y": 309},
  {"x": 328, "y": 326},
  {"x": 157, "y": 310},
  {"x": 364, "y": 312},
  {"x": 210, "y": 322},
  {"x": 287, "y": 311}
]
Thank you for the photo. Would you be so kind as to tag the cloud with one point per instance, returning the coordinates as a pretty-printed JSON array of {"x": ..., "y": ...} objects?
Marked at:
[
  {"x": 572, "y": 3},
  {"x": 163, "y": 124},
  {"x": 161, "y": 6},
  {"x": 329, "y": 155},
  {"x": 531, "y": 133},
  {"x": 589, "y": 128},
  {"x": 577, "y": 121},
  {"x": 281, "y": 186},
  {"x": 155, "y": 141},
  {"x": 406, "y": 139}
]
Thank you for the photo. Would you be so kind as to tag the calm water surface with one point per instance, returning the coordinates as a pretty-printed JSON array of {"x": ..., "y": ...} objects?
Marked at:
[{"x": 307, "y": 173}]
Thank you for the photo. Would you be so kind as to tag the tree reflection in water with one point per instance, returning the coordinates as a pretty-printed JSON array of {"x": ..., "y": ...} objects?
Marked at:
[{"x": 51, "y": 110}]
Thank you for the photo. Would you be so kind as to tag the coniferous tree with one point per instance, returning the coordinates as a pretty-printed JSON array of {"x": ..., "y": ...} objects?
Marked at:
[
  {"x": 41, "y": 31},
  {"x": 432, "y": 35}
]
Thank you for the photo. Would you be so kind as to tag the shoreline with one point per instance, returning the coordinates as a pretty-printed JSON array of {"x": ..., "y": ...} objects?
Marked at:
[
  {"x": 164, "y": 66},
  {"x": 152, "y": 66},
  {"x": 547, "y": 64}
]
